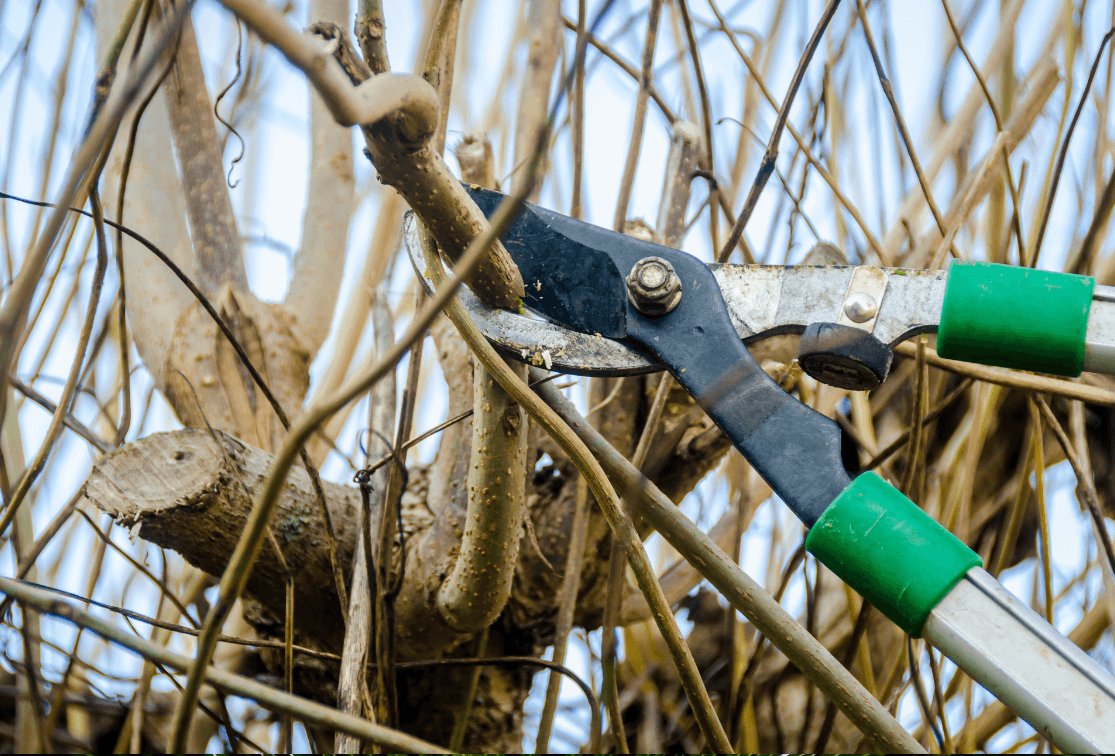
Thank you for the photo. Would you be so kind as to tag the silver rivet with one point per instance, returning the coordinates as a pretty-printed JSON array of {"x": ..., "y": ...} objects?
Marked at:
[
  {"x": 860, "y": 307},
  {"x": 653, "y": 286}
]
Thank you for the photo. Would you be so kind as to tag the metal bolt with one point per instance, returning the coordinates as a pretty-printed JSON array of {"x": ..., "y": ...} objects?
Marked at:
[
  {"x": 653, "y": 286},
  {"x": 860, "y": 307}
]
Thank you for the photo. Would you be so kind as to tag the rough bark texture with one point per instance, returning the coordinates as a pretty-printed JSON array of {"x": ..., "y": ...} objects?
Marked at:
[
  {"x": 183, "y": 491},
  {"x": 207, "y": 384},
  {"x": 435, "y": 195},
  {"x": 191, "y": 491},
  {"x": 212, "y": 222}
]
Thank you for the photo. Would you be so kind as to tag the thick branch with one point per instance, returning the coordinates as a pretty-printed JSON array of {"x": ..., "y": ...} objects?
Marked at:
[
  {"x": 212, "y": 223},
  {"x": 446, "y": 210},
  {"x": 314, "y": 282},
  {"x": 477, "y": 590},
  {"x": 154, "y": 204},
  {"x": 480, "y": 584},
  {"x": 364, "y": 104},
  {"x": 184, "y": 491},
  {"x": 399, "y": 147}
]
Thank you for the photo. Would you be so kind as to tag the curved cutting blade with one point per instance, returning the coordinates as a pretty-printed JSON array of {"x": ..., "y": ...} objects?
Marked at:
[{"x": 569, "y": 277}]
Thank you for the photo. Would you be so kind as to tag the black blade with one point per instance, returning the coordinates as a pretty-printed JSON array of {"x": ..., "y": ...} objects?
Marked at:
[{"x": 574, "y": 271}]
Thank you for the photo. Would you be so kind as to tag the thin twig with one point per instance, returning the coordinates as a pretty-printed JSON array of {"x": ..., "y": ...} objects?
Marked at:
[
  {"x": 1033, "y": 261},
  {"x": 567, "y": 598},
  {"x": 766, "y": 167},
  {"x": 13, "y": 315},
  {"x": 1043, "y": 515},
  {"x": 1087, "y": 486},
  {"x": 627, "y": 68},
  {"x": 265, "y": 695},
  {"x": 635, "y": 145},
  {"x": 1016, "y": 222},
  {"x": 1014, "y": 378},
  {"x": 900, "y": 122},
  {"x": 905, "y": 436},
  {"x": 923, "y": 700},
  {"x": 577, "y": 118}
]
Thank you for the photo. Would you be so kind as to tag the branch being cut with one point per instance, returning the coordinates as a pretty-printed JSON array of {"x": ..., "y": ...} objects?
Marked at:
[
  {"x": 478, "y": 587},
  {"x": 398, "y": 115},
  {"x": 618, "y": 518}
]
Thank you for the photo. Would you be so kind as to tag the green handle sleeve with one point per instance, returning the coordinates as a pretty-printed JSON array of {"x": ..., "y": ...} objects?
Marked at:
[
  {"x": 1015, "y": 317},
  {"x": 890, "y": 551}
]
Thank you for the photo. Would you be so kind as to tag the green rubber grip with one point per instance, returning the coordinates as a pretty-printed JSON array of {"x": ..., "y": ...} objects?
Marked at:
[
  {"x": 1015, "y": 317},
  {"x": 890, "y": 551}
]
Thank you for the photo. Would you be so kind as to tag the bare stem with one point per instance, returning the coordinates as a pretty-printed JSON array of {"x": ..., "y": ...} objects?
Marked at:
[{"x": 766, "y": 168}]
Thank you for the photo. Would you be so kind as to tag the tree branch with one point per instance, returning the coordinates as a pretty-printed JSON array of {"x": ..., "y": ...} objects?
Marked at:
[
  {"x": 312, "y": 296},
  {"x": 184, "y": 491},
  {"x": 155, "y": 203},
  {"x": 212, "y": 222},
  {"x": 398, "y": 114},
  {"x": 370, "y": 33},
  {"x": 248, "y": 547},
  {"x": 478, "y": 587}
]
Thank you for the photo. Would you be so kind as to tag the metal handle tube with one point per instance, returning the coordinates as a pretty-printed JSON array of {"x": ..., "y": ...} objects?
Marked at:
[
  {"x": 1099, "y": 339},
  {"x": 1044, "y": 677}
]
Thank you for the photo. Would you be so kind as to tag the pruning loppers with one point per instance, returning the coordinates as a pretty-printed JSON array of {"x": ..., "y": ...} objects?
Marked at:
[{"x": 616, "y": 305}]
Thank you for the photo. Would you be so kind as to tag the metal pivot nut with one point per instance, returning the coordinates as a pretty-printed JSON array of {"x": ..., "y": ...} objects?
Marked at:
[{"x": 653, "y": 286}]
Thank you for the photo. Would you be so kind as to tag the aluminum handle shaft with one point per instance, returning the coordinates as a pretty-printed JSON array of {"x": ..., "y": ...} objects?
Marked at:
[{"x": 1041, "y": 675}]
